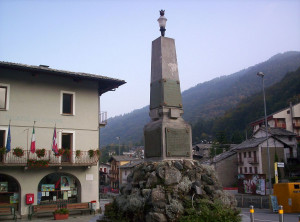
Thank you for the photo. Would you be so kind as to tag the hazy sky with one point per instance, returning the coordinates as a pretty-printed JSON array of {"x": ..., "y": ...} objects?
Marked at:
[{"x": 113, "y": 38}]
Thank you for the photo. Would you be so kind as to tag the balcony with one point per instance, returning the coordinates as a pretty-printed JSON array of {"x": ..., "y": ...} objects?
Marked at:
[
  {"x": 31, "y": 160},
  {"x": 240, "y": 162},
  {"x": 281, "y": 125},
  {"x": 296, "y": 124},
  {"x": 102, "y": 119},
  {"x": 253, "y": 160}
]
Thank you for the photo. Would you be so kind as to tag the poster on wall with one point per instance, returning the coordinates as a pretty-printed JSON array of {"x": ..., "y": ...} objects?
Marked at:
[
  {"x": 66, "y": 183},
  {"x": 3, "y": 186},
  {"x": 48, "y": 187},
  {"x": 252, "y": 184},
  {"x": 14, "y": 198}
]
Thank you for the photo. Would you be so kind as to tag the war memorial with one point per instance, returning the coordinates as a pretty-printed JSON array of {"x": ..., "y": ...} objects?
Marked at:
[{"x": 169, "y": 185}]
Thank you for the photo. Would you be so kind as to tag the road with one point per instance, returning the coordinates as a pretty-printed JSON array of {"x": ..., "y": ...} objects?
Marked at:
[{"x": 265, "y": 215}]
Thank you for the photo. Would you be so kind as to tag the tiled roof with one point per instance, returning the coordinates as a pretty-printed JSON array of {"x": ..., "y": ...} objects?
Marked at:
[
  {"x": 278, "y": 131},
  {"x": 132, "y": 163},
  {"x": 108, "y": 83},
  {"x": 250, "y": 143},
  {"x": 220, "y": 157},
  {"x": 122, "y": 158}
]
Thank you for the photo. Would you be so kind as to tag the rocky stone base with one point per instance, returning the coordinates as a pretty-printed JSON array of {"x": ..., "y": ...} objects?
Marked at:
[{"x": 159, "y": 191}]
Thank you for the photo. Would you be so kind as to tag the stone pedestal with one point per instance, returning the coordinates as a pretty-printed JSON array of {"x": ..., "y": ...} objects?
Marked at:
[{"x": 167, "y": 136}]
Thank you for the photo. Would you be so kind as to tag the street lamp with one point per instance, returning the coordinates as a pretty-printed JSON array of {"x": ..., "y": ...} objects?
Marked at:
[
  {"x": 118, "y": 138},
  {"x": 162, "y": 20},
  {"x": 261, "y": 74}
]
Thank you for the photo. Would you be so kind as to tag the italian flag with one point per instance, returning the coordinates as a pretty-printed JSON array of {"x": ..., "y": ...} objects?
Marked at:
[{"x": 32, "y": 146}]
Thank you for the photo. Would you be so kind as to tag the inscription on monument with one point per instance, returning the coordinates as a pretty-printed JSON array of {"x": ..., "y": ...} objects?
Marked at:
[
  {"x": 172, "y": 94},
  {"x": 153, "y": 141},
  {"x": 177, "y": 142}
]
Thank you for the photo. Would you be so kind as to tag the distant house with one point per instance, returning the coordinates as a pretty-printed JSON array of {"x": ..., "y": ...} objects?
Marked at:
[
  {"x": 287, "y": 118},
  {"x": 104, "y": 169},
  {"x": 201, "y": 151},
  {"x": 252, "y": 155},
  {"x": 225, "y": 165},
  {"x": 127, "y": 168},
  {"x": 283, "y": 135},
  {"x": 115, "y": 163}
]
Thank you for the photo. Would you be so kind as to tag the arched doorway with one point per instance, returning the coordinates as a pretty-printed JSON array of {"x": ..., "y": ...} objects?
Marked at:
[
  {"x": 10, "y": 192},
  {"x": 59, "y": 188}
]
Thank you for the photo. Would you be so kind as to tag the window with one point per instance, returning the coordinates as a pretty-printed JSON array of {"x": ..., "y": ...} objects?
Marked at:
[
  {"x": 67, "y": 103},
  {"x": 250, "y": 169},
  {"x": 245, "y": 154},
  {"x": 288, "y": 112},
  {"x": 255, "y": 170},
  {"x": 249, "y": 154},
  {"x": 241, "y": 170},
  {"x": 4, "y": 96},
  {"x": 2, "y": 138},
  {"x": 100, "y": 169},
  {"x": 245, "y": 169},
  {"x": 104, "y": 170}
]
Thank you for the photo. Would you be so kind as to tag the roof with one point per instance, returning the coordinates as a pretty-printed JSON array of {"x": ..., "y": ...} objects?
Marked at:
[
  {"x": 122, "y": 158},
  {"x": 203, "y": 145},
  {"x": 107, "y": 83},
  {"x": 278, "y": 131},
  {"x": 220, "y": 157},
  {"x": 105, "y": 164},
  {"x": 132, "y": 164},
  {"x": 250, "y": 143}
]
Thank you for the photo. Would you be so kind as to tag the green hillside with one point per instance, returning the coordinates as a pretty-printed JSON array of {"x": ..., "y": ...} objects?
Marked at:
[
  {"x": 235, "y": 121},
  {"x": 206, "y": 101}
]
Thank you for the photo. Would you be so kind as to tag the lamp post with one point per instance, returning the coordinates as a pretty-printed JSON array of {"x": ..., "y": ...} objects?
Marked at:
[
  {"x": 261, "y": 74},
  {"x": 162, "y": 20},
  {"x": 118, "y": 138}
]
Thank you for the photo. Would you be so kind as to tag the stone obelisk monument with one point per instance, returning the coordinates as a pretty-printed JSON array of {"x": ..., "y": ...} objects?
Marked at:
[{"x": 167, "y": 136}]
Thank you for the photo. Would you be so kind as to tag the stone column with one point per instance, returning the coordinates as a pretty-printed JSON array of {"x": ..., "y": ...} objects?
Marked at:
[{"x": 167, "y": 136}]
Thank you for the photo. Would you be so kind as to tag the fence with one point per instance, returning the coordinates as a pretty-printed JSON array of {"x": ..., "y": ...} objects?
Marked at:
[{"x": 244, "y": 201}]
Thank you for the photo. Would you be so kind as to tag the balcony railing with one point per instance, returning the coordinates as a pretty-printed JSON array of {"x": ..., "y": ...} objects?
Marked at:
[
  {"x": 49, "y": 159},
  {"x": 102, "y": 118},
  {"x": 296, "y": 124},
  {"x": 253, "y": 160},
  {"x": 281, "y": 125}
]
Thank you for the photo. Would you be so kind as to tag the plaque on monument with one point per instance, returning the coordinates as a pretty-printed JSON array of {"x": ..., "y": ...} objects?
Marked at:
[
  {"x": 172, "y": 94},
  {"x": 177, "y": 142},
  {"x": 153, "y": 141}
]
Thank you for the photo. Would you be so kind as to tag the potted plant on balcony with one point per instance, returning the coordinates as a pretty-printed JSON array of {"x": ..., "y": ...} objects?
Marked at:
[
  {"x": 78, "y": 153},
  {"x": 40, "y": 152},
  {"x": 91, "y": 153},
  {"x": 18, "y": 152},
  {"x": 2, "y": 151},
  {"x": 60, "y": 152},
  {"x": 38, "y": 163},
  {"x": 61, "y": 214}
]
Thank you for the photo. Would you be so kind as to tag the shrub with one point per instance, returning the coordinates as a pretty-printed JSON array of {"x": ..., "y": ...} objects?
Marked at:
[
  {"x": 61, "y": 211},
  {"x": 207, "y": 211}
]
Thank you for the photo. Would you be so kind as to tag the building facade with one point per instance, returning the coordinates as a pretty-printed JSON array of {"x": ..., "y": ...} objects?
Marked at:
[
  {"x": 288, "y": 118},
  {"x": 115, "y": 175},
  {"x": 50, "y": 100}
]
